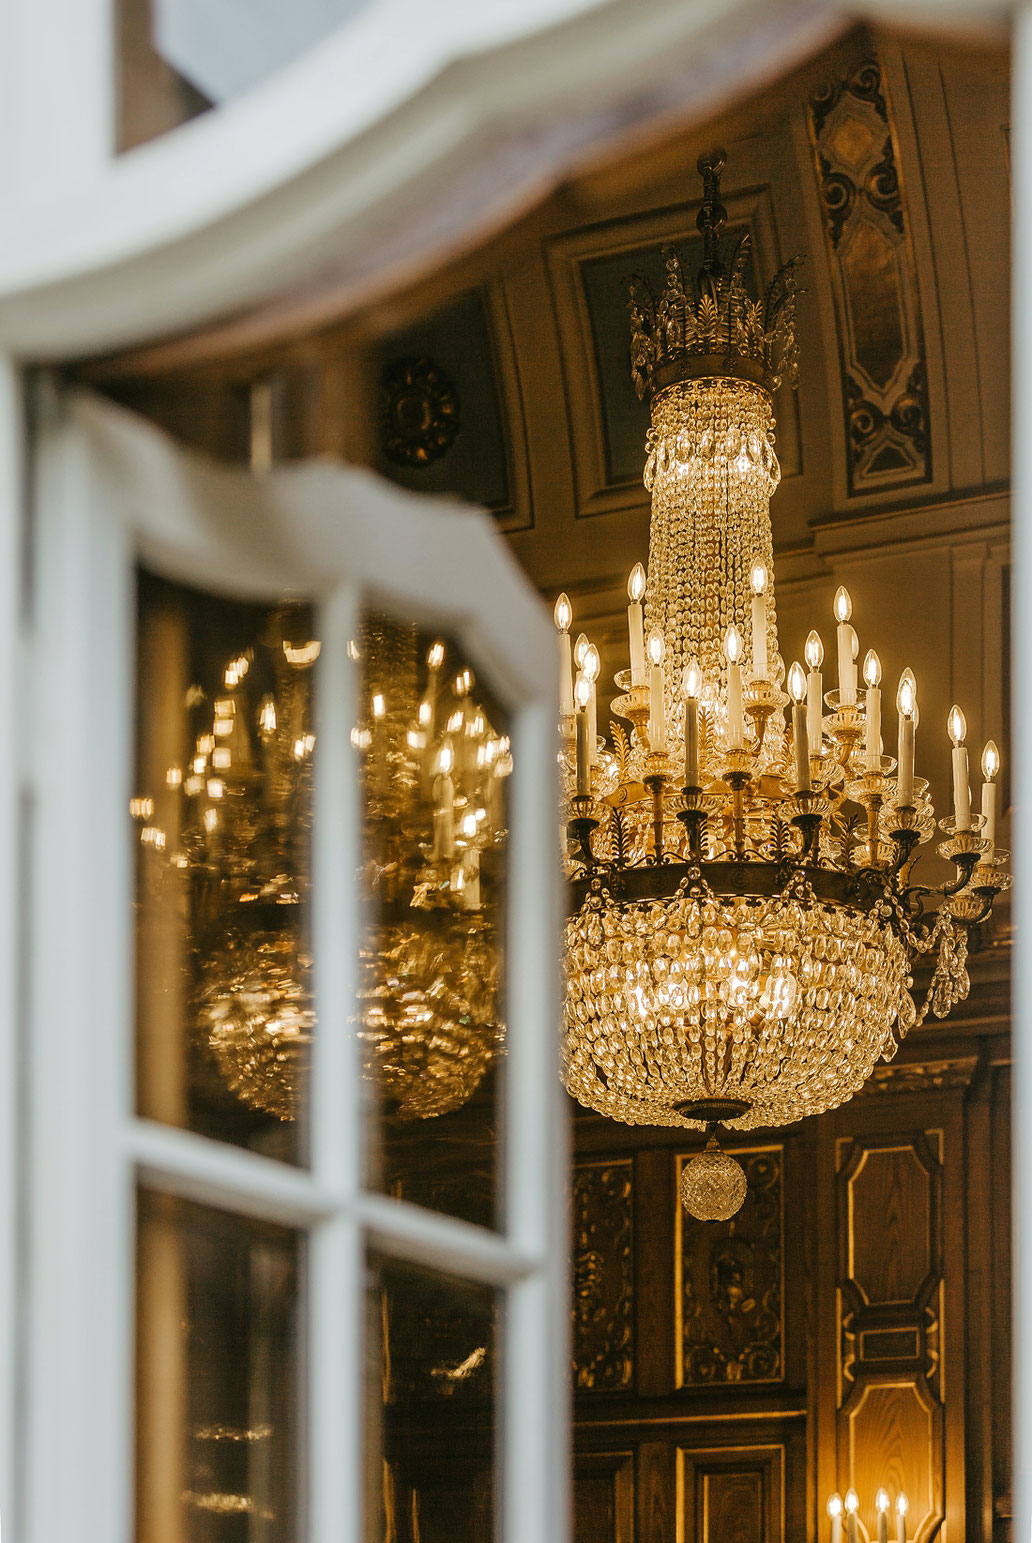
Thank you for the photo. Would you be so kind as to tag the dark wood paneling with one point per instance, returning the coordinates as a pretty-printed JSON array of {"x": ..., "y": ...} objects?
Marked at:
[
  {"x": 603, "y": 1497},
  {"x": 603, "y": 1275},
  {"x": 732, "y": 1494}
]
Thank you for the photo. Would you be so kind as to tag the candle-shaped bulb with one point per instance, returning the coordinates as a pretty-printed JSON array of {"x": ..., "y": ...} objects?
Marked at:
[
  {"x": 990, "y": 761},
  {"x": 956, "y": 725},
  {"x": 691, "y": 681},
  {"x": 835, "y": 1505},
  {"x": 814, "y": 650},
  {"x": 902, "y": 1504},
  {"x": 636, "y": 583},
  {"x": 445, "y": 759},
  {"x": 758, "y": 576},
  {"x": 656, "y": 646},
  {"x": 906, "y": 696},
  {"x": 881, "y": 1500},
  {"x": 563, "y": 613},
  {"x": 732, "y": 644},
  {"x": 582, "y": 690},
  {"x": 843, "y": 604},
  {"x": 435, "y": 658},
  {"x": 591, "y": 663},
  {"x": 797, "y": 682},
  {"x": 580, "y": 648},
  {"x": 872, "y": 668},
  {"x": 852, "y": 1498}
]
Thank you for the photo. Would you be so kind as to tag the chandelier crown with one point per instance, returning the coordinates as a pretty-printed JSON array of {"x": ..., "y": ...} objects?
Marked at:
[{"x": 710, "y": 324}]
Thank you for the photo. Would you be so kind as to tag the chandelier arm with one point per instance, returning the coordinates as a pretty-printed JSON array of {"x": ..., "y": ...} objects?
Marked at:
[
  {"x": 966, "y": 863},
  {"x": 987, "y": 894},
  {"x": 581, "y": 828}
]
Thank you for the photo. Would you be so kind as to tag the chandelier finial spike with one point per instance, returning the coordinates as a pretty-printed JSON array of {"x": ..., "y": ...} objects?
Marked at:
[{"x": 712, "y": 217}]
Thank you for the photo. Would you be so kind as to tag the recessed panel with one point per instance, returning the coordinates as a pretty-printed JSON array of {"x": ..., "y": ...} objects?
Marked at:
[
  {"x": 431, "y": 1417},
  {"x": 890, "y": 1209},
  {"x": 218, "y": 1377}
]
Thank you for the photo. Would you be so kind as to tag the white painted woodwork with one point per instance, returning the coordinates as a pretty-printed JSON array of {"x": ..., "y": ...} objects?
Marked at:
[{"x": 112, "y": 491}]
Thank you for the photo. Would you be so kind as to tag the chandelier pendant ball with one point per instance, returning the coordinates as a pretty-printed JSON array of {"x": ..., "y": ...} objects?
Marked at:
[
  {"x": 745, "y": 928},
  {"x": 713, "y": 1185}
]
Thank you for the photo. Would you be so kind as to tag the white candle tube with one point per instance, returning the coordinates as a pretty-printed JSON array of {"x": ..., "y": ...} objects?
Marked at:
[
  {"x": 989, "y": 814},
  {"x": 444, "y": 818},
  {"x": 802, "y": 747},
  {"x": 873, "y": 745},
  {"x": 882, "y": 1504},
  {"x": 901, "y": 1518},
  {"x": 758, "y": 580},
  {"x": 851, "y": 1510},
  {"x": 905, "y": 759},
  {"x": 846, "y": 665},
  {"x": 657, "y": 714},
  {"x": 583, "y": 764},
  {"x": 592, "y": 726},
  {"x": 691, "y": 743},
  {"x": 961, "y": 788},
  {"x": 815, "y": 710},
  {"x": 565, "y": 674},
  {"x": 735, "y": 716},
  {"x": 636, "y": 624},
  {"x": 835, "y": 1515}
]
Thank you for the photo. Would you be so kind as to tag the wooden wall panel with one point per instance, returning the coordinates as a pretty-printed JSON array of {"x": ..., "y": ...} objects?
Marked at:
[
  {"x": 603, "y": 1497},
  {"x": 732, "y": 1494},
  {"x": 603, "y": 1275},
  {"x": 890, "y": 1425}
]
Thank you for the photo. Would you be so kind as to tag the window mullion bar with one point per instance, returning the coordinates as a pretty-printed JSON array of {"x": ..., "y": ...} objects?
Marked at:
[
  {"x": 211, "y": 1173},
  {"x": 535, "y": 1368},
  {"x": 336, "y": 1271},
  {"x": 443, "y": 1242}
]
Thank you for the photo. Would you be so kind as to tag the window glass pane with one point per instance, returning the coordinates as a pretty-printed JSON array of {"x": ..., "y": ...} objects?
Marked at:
[
  {"x": 223, "y": 814},
  {"x": 217, "y": 1377},
  {"x": 435, "y": 758},
  {"x": 431, "y": 1407}
]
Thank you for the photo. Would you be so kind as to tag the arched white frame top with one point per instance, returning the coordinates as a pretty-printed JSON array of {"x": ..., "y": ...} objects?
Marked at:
[{"x": 409, "y": 134}]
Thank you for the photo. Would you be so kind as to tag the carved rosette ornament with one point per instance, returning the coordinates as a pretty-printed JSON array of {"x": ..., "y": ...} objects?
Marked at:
[{"x": 420, "y": 412}]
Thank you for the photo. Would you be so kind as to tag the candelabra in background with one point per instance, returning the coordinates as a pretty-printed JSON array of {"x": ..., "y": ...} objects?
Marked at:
[
  {"x": 745, "y": 927},
  {"x": 851, "y": 1507},
  {"x": 433, "y": 783}
]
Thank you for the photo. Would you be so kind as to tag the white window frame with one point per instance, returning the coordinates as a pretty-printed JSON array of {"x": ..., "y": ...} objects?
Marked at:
[{"x": 112, "y": 491}]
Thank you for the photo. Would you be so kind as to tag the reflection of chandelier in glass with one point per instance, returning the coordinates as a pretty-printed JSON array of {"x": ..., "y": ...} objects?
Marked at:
[
  {"x": 433, "y": 785},
  {"x": 745, "y": 929},
  {"x": 430, "y": 977}
]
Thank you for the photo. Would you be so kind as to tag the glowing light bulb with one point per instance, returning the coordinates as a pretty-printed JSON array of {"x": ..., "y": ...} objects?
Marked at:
[
  {"x": 592, "y": 662},
  {"x": 636, "y": 583},
  {"x": 758, "y": 577},
  {"x": 956, "y": 725},
  {"x": 445, "y": 759},
  {"x": 835, "y": 1505},
  {"x": 732, "y": 644},
  {"x": 379, "y": 705},
  {"x": 872, "y": 668},
  {"x": 852, "y": 1501},
  {"x": 580, "y": 648},
  {"x": 582, "y": 691},
  {"x": 425, "y": 714},
  {"x": 435, "y": 657},
  {"x": 990, "y": 761},
  {"x": 814, "y": 650},
  {"x": 267, "y": 716},
  {"x": 906, "y": 696},
  {"x": 656, "y": 646},
  {"x": 902, "y": 1504},
  {"x": 843, "y": 604},
  {"x": 691, "y": 680},
  {"x": 797, "y": 682},
  {"x": 881, "y": 1500},
  {"x": 563, "y": 612}
]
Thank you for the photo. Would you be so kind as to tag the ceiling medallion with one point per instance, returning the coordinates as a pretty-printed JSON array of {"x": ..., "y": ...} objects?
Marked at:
[
  {"x": 420, "y": 412},
  {"x": 746, "y": 925}
]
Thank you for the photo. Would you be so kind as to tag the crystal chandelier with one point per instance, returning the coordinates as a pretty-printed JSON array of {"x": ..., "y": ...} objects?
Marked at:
[
  {"x": 238, "y": 844},
  {"x": 745, "y": 924}
]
